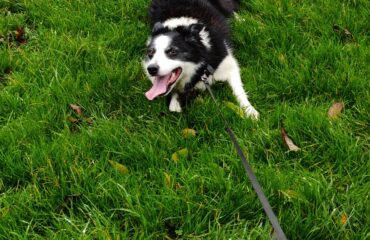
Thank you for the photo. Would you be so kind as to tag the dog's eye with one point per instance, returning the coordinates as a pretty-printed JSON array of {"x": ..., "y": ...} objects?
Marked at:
[
  {"x": 172, "y": 52},
  {"x": 150, "y": 52}
]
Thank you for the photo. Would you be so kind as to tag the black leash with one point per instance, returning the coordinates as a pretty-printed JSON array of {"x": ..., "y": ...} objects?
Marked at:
[{"x": 279, "y": 233}]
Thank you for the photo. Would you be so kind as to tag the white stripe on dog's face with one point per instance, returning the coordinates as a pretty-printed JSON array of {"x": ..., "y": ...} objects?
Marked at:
[
  {"x": 161, "y": 43},
  {"x": 166, "y": 65},
  {"x": 182, "y": 21}
]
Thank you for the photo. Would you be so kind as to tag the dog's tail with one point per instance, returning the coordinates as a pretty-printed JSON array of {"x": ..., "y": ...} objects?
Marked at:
[{"x": 227, "y": 7}]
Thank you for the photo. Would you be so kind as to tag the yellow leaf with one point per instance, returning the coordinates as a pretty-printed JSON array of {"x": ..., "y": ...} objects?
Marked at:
[
  {"x": 290, "y": 193},
  {"x": 72, "y": 120},
  {"x": 335, "y": 109},
  {"x": 343, "y": 219},
  {"x": 238, "y": 110},
  {"x": 181, "y": 154},
  {"x": 188, "y": 133},
  {"x": 282, "y": 59},
  {"x": 167, "y": 179},
  {"x": 119, "y": 167}
]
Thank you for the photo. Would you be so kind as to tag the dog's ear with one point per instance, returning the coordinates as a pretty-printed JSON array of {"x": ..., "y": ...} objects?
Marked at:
[
  {"x": 157, "y": 26},
  {"x": 195, "y": 28},
  {"x": 193, "y": 32}
]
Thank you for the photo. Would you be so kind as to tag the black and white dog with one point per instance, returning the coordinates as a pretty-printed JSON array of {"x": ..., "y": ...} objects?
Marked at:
[{"x": 187, "y": 37}]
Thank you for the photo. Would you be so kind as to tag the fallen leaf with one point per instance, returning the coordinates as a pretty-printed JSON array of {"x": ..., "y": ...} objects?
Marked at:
[
  {"x": 181, "y": 154},
  {"x": 167, "y": 179},
  {"x": 79, "y": 117},
  {"x": 335, "y": 110},
  {"x": 288, "y": 142},
  {"x": 119, "y": 167},
  {"x": 348, "y": 33},
  {"x": 282, "y": 59},
  {"x": 188, "y": 133},
  {"x": 343, "y": 219},
  {"x": 290, "y": 193},
  {"x": 238, "y": 110},
  {"x": 73, "y": 120},
  {"x": 343, "y": 33},
  {"x": 20, "y": 35},
  {"x": 76, "y": 109}
]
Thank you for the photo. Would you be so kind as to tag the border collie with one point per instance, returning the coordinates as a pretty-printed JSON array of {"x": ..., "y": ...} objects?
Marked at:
[{"x": 187, "y": 37}]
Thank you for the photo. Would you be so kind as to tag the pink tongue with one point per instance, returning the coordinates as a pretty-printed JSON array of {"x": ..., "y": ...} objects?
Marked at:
[{"x": 159, "y": 87}]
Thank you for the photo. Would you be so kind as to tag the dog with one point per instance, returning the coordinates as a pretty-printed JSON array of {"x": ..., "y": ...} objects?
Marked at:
[{"x": 187, "y": 37}]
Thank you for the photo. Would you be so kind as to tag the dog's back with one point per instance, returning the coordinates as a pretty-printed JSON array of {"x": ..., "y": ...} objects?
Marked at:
[{"x": 208, "y": 11}]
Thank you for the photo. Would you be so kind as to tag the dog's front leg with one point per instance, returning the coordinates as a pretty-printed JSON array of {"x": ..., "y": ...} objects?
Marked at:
[
  {"x": 175, "y": 105},
  {"x": 229, "y": 70}
]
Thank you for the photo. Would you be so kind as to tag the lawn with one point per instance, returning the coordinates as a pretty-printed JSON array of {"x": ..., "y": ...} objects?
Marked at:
[{"x": 105, "y": 167}]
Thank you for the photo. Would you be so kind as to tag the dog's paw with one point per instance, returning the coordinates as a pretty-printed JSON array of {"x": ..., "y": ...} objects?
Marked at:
[
  {"x": 175, "y": 106},
  {"x": 251, "y": 112}
]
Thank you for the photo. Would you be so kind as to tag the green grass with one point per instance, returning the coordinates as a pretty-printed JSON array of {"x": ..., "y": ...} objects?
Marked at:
[{"x": 56, "y": 180}]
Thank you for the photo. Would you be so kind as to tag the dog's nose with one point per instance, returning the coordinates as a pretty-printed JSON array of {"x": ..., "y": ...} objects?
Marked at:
[{"x": 153, "y": 69}]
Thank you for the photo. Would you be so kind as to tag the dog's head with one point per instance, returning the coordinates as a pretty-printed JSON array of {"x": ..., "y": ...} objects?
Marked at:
[{"x": 172, "y": 58}]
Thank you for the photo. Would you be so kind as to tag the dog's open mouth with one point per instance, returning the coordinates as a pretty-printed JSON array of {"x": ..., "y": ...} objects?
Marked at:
[{"x": 162, "y": 84}]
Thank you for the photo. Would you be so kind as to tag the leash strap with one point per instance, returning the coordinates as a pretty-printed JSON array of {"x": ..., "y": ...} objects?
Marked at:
[{"x": 279, "y": 233}]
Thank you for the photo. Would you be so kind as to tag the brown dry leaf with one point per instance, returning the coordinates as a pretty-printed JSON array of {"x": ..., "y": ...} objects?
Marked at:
[
  {"x": 188, "y": 133},
  {"x": 348, "y": 33},
  {"x": 288, "y": 141},
  {"x": 20, "y": 35},
  {"x": 119, "y": 167},
  {"x": 335, "y": 110},
  {"x": 238, "y": 110},
  {"x": 181, "y": 154},
  {"x": 344, "y": 34},
  {"x": 167, "y": 179},
  {"x": 343, "y": 219},
  {"x": 76, "y": 109}
]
